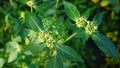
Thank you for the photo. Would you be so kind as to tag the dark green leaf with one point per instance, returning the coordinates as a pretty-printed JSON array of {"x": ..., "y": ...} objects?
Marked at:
[
  {"x": 68, "y": 53},
  {"x": 34, "y": 48},
  {"x": 32, "y": 66},
  {"x": 2, "y": 62},
  {"x": 71, "y": 10},
  {"x": 98, "y": 18},
  {"x": 54, "y": 62},
  {"x": 33, "y": 22},
  {"x": 84, "y": 36},
  {"x": 105, "y": 45},
  {"x": 117, "y": 8},
  {"x": 87, "y": 13}
]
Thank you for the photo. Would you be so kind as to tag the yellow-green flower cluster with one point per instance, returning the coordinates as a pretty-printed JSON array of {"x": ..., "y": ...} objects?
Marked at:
[
  {"x": 47, "y": 38},
  {"x": 90, "y": 28},
  {"x": 80, "y": 22},
  {"x": 30, "y": 3}
]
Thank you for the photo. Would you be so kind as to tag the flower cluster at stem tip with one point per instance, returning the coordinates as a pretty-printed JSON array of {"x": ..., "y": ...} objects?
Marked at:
[
  {"x": 90, "y": 26},
  {"x": 80, "y": 22},
  {"x": 47, "y": 38}
]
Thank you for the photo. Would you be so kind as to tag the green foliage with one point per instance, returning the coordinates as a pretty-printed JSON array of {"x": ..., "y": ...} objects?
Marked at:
[
  {"x": 68, "y": 53},
  {"x": 54, "y": 62},
  {"x": 71, "y": 10},
  {"x": 38, "y": 34},
  {"x": 105, "y": 44},
  {"x": 2, "y": 61}
]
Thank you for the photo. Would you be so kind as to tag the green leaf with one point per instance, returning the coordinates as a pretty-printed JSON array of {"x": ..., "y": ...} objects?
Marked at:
[
  {"x": 68, "y": 53},
  {"x": 33, "y": 22},
  {"x": 34, "y": 48},
  {"x": 84, "y": 36},
  {"x": 71, "y": 10},
  {"x": 32, "y": 66},
  {"x": 11, "y": 46},
  {"x": 105, "y": 45},
  {"x": 98, "y": 18},
  {"x": 12, "y": 56},
  {"x": 87, "y": 13},
  {"x": 54, "y": 62},
  {"x": 2, "y": 62}
]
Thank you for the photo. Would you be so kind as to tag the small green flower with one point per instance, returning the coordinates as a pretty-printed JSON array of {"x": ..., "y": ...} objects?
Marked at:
[
  {"x": 90, "y": 28},
  {"x": 80, "y": 22}
]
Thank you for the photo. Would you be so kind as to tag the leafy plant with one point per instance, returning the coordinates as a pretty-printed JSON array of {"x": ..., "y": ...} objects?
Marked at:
[{"x": 43, "y": 37}]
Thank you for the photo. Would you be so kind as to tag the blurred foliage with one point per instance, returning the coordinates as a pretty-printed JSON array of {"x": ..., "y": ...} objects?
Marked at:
[{"x": 45, "y": 33}]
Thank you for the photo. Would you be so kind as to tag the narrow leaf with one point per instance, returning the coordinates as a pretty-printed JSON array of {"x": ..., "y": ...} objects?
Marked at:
[
  {"x": 68, "y": 53},
  {"x": 2, "y": 62},
  {"x": 98, "y": 18},
  {"x": 54, "y": 62},
  {"x": 33, "y": 22},
  {"x": 71, "y": 10},
  {"x": 105, "y": 45}
]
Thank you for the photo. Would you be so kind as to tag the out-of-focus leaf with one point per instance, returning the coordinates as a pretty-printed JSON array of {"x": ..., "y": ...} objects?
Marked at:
[
  {"x": 71, "y": 10},
  {"x": 117, "y": 8},
  {"x": 51, "y": 11},
  {"x": 34, "y": 48},
  {"x": 42, "y": 8},
  {"x": 33, "y": 22},
  {"x": 11, "y": 46},
  {"x": 68, "y": 53},
  {"x": 32, "y": 66},
  {"x": 17, "y": 39},
  {"x": 54, "y": 62},
  {"x": 12, "y": 56},
  {"x": 2, "y": 62},
  {"x": 22, "y": 1},
  {"x": 105, "y": 45},
  {"x": 98, "y": 18}
]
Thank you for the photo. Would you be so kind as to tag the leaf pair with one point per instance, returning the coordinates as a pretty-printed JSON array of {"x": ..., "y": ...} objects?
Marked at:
[{"x": 104, "y": 44}]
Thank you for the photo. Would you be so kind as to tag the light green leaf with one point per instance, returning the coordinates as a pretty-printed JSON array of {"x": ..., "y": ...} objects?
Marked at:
[
  {"x": 2, "y": 62},
  {"x": 71, "y": 10},
  {"x": 105, "y": 45},
  {"x": 17, "y": 39},
  {"x": 33, "y": 22},
  {"x": 51, "y": 11},
  {"x": 11, "y": 46},
  {"x": 68, "y": 53},
  {"x": 54, "y": 62},
  {"x": 98, "y": 18},
  {"x": 12, "y": 56}
]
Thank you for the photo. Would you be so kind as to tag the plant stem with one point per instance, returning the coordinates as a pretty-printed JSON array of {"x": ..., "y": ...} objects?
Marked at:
[
  {"x": 73, "y": 35},
  {"x": 70, "y": 37}
]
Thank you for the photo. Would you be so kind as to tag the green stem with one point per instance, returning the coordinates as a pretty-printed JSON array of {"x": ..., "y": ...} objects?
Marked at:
[
  {"x": 56, "y": 5},
  {"x": 70, "y": 37},
  {"x": 73, "y": 35}
]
